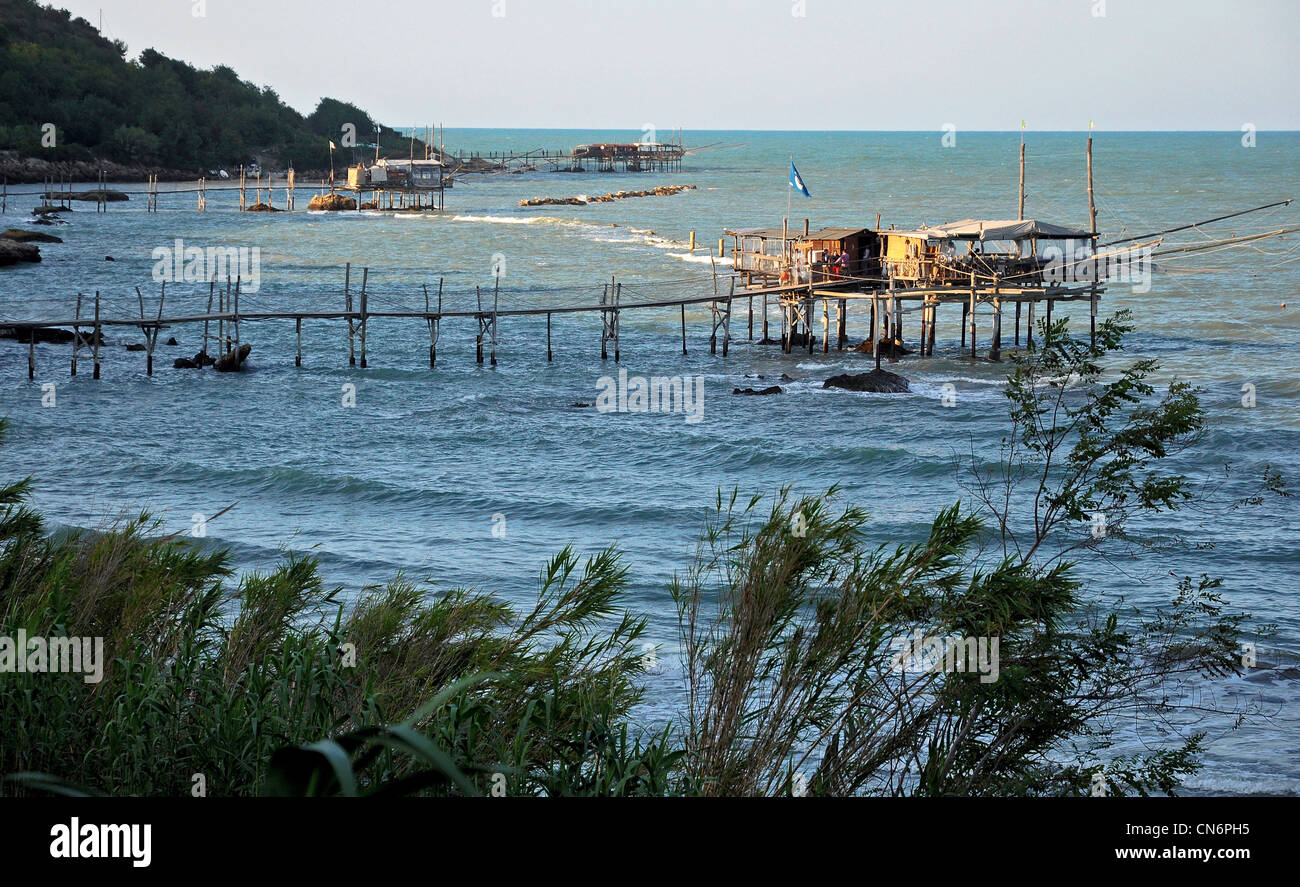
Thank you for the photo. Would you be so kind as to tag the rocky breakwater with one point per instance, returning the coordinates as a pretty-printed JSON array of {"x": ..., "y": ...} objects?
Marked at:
[{"x": 583, "y": 199}]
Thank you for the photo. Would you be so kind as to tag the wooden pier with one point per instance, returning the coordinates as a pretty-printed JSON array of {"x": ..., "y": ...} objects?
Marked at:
[{"x": 883, "y": 308}]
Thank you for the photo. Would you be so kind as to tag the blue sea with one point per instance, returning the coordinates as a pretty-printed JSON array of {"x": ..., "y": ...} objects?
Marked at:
[{"x": 417, "y": 475}]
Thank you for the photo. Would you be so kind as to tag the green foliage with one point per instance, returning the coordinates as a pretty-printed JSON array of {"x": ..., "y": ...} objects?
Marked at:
[
  {"x": 791, "y": 632},
  {"x": 150, "y": 111}
]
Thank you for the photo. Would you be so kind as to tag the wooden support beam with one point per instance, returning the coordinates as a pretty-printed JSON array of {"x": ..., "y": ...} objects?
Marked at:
[
  {"x": 95, "y": 343},
  {"x": 347, "y": 298},
  {"x": 365, "y": 313},
  {"x": 76, "y": 337}
]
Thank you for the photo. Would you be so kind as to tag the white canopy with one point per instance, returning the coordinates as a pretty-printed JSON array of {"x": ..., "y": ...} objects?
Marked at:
[{"x": 993, "y": 229}]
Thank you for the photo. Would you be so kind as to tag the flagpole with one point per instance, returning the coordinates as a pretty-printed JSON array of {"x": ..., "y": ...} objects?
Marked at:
[{"x": 785, "y": 223}]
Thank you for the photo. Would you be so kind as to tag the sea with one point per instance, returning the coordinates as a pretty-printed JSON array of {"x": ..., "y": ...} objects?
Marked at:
[{"x": 472, "y": 474}]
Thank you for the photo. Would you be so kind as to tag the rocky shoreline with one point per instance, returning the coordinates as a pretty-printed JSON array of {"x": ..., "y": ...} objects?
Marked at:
[{"x": 37, "y": 170}]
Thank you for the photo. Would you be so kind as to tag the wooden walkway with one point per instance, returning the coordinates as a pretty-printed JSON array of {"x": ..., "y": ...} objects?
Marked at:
[{"x": 797, "y": 303}]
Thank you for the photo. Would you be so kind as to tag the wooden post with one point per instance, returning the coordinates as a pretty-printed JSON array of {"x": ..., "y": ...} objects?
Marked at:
[
  {"x": 221, "y": 319},
  {"x": 437, "y": 327},
  {"x": 1017, "y": 323},
  {"x": 618, "y": 298},
  {"x": 965, "y": 310},
  {"x": 726, "y": 329},
  {"x": 234, "y": 319},
  {"x": 478, "y": 319},
  {"x": 811, "y": 306},
  {"x": 1029, "y": 325},
  {"x": 974, "y": 303},
  {"x": 347, "y": 297},
  {"x": 31, "y": 354},
  {"x": 683, "y": 329},
  {"x": 95, "y": 344},
  {"x": 212, "y": 285},
  {"x": 495, "y": 293},
  {"x": 1021, "y": 212},
  {"x": 934, "y": 317},
  {"x": 365, "y": 276},
  {"x": 1092, "y": 315},
  {"x": 751, "y": 317},
  {"x": 826, "y": 326},
  {"x": 1092, "y": 207},
  {"x": 76, "y": 336},
  {"x": 548, "y": 337},
  {"x": 765, "y": 317},
  {"x": 995, "y": 349},
  {"x": 843, "y": 336},
  {"x": 875, "y": 334},
  {"x": 298, "y": 324}
]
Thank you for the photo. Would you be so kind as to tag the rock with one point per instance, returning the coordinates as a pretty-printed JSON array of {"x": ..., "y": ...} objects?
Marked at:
[
  {"x": 580, "y": 404},
  {"x": 172, "y": 341},
  {"x": 583, "y": 200},
  {"x": 12, "y": 252},
  {"x": 22, "y": 236},
  {"x": 774, "y": 389},
  {"x": 887, "y": 348},
  {"x": 233, "y": 360},
  {"x": 262, "y": 208},
  {"x": 106, "y": 195},
  {"x": 46, "y": 210},
  {"x": 876, "y": 382},
  {"x": 331, "y": 203},
  {"x": 135, "y": 346},
  {"x": 184, "y": 363},
  {"x": 48, "y": 335},
  {"x": 201, "y": 359}
]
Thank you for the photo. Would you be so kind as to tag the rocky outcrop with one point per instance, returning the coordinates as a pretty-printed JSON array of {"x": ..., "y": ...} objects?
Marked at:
[
  {"x": 875, "y": 382},
  {"x": 94, "y": 196},
  {"x": 773, "y": 389},
  {"x": 331, "y": 203},
  {"x": 38, "y": 169},
  {"x": 262, "y": 208},
  {"x": 233, "y": 360},
  {"x": 12, "y": 252},
  {"x": 583, "y": 200},
  {"x": 22, "y": 236},
  {"x": 196, "y": 362},
  {"x": 888, "y": 348},
  {"x": 49, "y": 335}
]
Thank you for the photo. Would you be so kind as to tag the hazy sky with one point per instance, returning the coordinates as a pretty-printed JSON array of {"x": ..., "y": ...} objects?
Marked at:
[{"x": 750, "y": 64}]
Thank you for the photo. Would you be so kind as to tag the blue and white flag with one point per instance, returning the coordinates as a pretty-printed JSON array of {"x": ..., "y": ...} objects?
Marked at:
[{"x": 796, "y": 181}]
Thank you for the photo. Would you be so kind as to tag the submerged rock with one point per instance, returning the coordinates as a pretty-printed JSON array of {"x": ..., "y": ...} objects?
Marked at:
[
  {"x": 135, "y": 346},
  {"x": 774, "y": 389},
  {"x": 233, "y": 360},
  {"x": 876, "y": 382}
]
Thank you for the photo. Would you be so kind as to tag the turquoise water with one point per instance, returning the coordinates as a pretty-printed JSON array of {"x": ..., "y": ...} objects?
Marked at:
[{"x": 412, "y": 477}]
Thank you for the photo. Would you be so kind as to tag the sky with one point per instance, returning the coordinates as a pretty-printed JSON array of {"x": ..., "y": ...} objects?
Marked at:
[{"x": 749, "y": 64}]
